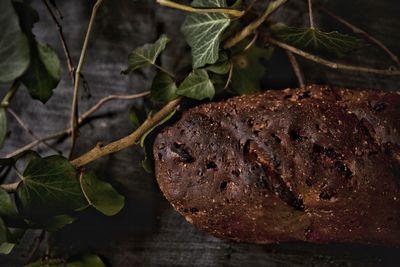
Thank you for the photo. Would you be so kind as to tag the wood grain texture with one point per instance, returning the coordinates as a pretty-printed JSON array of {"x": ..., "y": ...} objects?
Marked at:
[{"x": 148, "y": 232}]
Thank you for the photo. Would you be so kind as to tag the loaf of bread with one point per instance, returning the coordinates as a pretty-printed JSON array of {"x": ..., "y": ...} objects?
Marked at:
[{"x": 318, "y": 164}]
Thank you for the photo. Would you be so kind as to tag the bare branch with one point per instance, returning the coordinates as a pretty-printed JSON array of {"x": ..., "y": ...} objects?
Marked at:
[
  {"x": 172, "y": 4},
  {"x": 100, "y": 151},
  {"x": 249, "y": 29},
  {"x": 81, "y": 120},
  {"x": 331, "y": 64},
  {"x": 296, "y": 68},
  {"x": 74, "y": 109},
  {"x": 359, "y": 31}
]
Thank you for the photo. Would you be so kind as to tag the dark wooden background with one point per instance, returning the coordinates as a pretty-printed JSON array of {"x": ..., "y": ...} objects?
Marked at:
[{"x": 148, "y": 232}]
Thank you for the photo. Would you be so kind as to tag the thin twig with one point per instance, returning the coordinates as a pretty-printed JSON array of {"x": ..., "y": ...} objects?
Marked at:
[
  {"x": 296, "y": 68},
  {"x": 36, "y": 142},
  {"x": 331, "y": 64},
  {"x": 81, "y": 120},
  {"x": 28, "y": 130},
  {"x": 171, "y": 4},
  {"x": 36, "y": 244},
  {"x": 310, "y": 14},
  {"x": 100, "y": 151},
  {"x": 74, "y": 109},
  {"x": 62, "y": 38},
  {"x": 249, "y": 29},
  {"x": 359, "y": 31}
]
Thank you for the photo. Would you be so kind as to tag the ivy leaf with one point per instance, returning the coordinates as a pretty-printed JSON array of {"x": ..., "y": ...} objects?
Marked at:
[
  {"x": 146, "y": 54},
  {"x": 101, "y": 195},
  {"x": 44, "y": 73},
  {"x": 163, "y": 88},
  {"x": 14, "y": 47},
  {"x": 6, "y": 248},
  {"x": 8, "y": 211},
  {"x": 137, "y": 116},
  {"x": 50, "y": 187},
  {"x": 222, "y": 66},
  {"x": 6, "y": 244},
  {"x": 197, "y": 86},
  {"x": 3, "y": 125},
  {"x": 147, "y": 163},
  {"x": 3, "y": 232},
  {"x": 53, "y": 224},
  {"x": 203, "y": 32},
  {"x": 85, "y": 261},
  {"x": 315, "y": 39},
  {"x": 248, "y": 70}
]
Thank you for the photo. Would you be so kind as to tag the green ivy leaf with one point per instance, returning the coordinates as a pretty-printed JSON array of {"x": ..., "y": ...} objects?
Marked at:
[
  {"x": 137, "y": 116},
  {"x": 146, "y": 54},
  {"x": 315, "y": 39},
  {"x": 44, "y": 73},
  {"x": 3, "y": 232},
  {"x": 163, "y": 88},
  {"x": 6, "y": 244},
  {"x": 8, "y": 211},
  {"x": 147, "y": 163},
  {"x": 50, "y": 187},
  {"x": 203, "y": 32},
  {"x": 101, "y": 195},
  {"x": 85, "y": 261},
  {"x": 14, "y": 47},
  {"x": 197, "y": 86},
  {"x": 6, "y": 248},
  {"x": 53, "y": 224},
  {"x": 248, "y": 70},
  {"x": 222, "y": 66},
  {"x": 3, "y": 125}
]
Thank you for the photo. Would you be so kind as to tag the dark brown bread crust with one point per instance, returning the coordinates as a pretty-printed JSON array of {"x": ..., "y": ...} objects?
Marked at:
[{"x": 318, "y": 164}]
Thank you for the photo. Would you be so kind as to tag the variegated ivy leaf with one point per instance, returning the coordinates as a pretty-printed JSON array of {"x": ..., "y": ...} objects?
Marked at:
[
  {"x": 203, "y": 32},
  {"x": 146, "y": 54},
  {"x": 317, "y": 40}
]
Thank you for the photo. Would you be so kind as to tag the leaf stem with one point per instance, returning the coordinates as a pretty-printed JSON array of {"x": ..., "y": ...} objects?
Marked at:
[
  {"x": 5, "y": 102},
  {"x": 331, "y": 64},
  {"x": 74, "y": 109},
  {"x": 10, "y": 188},
  {"x": 82, "y": 184},
  {"x": 81, "y": 120},
  {"x": 296, "y": 68},
  {"x": 62, "y": 39},
  {"x": 164, "y": 70},
  {"x": 100, "y": 151},
  {"x": 359, "y": 31},
  {"x": 310, "y": 14},
  {"x": 249, "y": 29},
  {"x": 229, "y": 11}
]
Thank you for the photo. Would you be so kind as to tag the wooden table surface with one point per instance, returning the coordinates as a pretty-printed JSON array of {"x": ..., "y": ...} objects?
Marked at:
[{"x": 148, "y": 232}]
